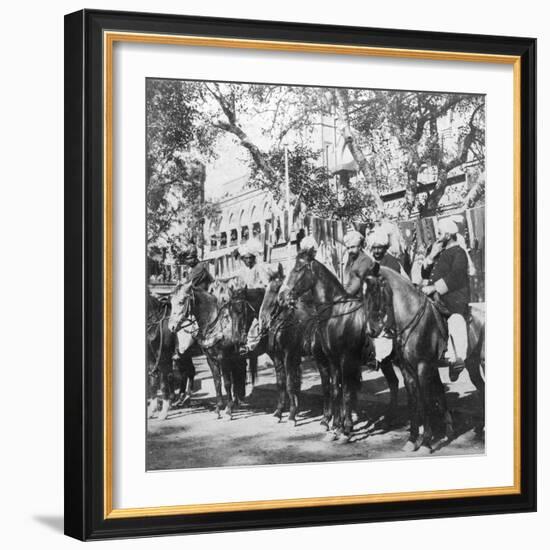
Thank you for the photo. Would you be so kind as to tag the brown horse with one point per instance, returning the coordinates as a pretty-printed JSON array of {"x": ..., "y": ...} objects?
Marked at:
[
  {"x": 287, "y": 334},
  {"x": 219, "y": 336},
  {"x": 341, "y": 326}
]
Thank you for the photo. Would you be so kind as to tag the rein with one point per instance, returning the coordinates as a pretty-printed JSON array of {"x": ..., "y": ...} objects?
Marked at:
[
  {"x": 317, "y": 318},
  {"x": 206, "y": 332},
  {"x": 413, "y": 323}
]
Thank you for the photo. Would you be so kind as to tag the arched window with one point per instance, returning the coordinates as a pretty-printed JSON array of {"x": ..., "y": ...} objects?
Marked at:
[{"x": 267, "y": 211}]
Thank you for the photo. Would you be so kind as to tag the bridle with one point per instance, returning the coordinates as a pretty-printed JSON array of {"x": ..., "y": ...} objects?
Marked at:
[{"x": 206, "y": 332}]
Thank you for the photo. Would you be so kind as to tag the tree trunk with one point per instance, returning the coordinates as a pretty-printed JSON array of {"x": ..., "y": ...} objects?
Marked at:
[
  {"x": 342, "y": 104},
  {"x": 258, "y": 156},
  {"x": 432, "y": 202}
]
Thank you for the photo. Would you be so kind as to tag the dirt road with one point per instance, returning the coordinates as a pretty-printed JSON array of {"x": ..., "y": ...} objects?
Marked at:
[{"x": 192, "y": 436}]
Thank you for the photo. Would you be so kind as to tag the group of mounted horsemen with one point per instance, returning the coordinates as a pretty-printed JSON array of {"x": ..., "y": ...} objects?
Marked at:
[{"x": 376, "y": 319}]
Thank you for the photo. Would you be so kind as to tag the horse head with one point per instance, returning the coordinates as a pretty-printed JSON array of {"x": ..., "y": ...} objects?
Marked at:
[
  {"x": 300, "y": 280},
  {"x": 181, "y": 303}
]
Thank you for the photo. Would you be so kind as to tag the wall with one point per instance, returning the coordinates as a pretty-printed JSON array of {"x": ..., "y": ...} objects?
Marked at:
[{"x": 31, "y": 224}]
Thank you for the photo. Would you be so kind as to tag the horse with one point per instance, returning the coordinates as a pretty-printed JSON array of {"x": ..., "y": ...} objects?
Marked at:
[
  {"x": 218, "y": 335},
  {"x": 475, "y": 358},
  {"x": 160, "y": 350},
  {"x": 162, "y": 358},
  {"x": 341, "y": 321},
  {"x": 286, "y": 335},
  {"x": 420, "y": 344}
]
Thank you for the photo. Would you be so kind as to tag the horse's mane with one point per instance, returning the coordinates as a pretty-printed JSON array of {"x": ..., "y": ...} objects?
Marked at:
[
  {"x": 330, "y": 276},
  {"x": 395, "y": 278}
]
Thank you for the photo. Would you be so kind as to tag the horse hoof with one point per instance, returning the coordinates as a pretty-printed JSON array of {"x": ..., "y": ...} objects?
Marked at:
[
  {"x": 424, "y": 450},
  {"x": 278, "y": 414},
  {"x": 324, "y": 424},
  {"x": 441, "y": 443},
  {"x": 408, "y": 447},
  {"x": 331, "y": 436},
  {"x": 163, "y": 415},
  {"x": 344, "y": 439}
]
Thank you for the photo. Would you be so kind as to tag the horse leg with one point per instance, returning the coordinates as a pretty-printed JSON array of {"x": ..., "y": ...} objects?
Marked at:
[
  {"x": 292, "y": 369},
  {"x": 152, "y": 407},
  {"x": 253, "y": 370},
  {"x": 187, "y": 373},
  {"x": 227, "y": 384},
  {"x": 166, "y": 386},
  {"x": 473, "y": 366},
  {"x": 324, "y": 371},
  {"x": 214, "y": 365},
  {"x": 336, "y": 394},
  {"x": 425, "y": 379},
  {"x": 281, "y": 387},
  {"x": 239, "y": 378},
  {"x": 386, "y": 366},
  {"x": 415, "y": 412},
  {"x": 441, "y": 407},
  {"x": 349, "y": 391}
]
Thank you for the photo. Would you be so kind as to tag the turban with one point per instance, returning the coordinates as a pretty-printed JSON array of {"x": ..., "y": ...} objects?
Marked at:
[
  {"x": 448, "y": 226},
  {"x": 379, "y": 237},
  {"x": 353, "y": 238},
  {"x": 252, "y": 248},
  {"x": 308, "y": 243}
]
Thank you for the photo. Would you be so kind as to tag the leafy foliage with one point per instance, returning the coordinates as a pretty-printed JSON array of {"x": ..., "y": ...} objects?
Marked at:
[{"x": 179, "y": 142}]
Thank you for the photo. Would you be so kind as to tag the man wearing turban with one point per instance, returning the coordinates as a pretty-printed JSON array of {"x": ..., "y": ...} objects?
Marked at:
[
  {"x": 198, "y": 272},
  {"x": 379, "y": 245},
  {"x": 358, "y": 265},
  {"x": 250, "y": 274},
  {"x": 446, "y": 268}
]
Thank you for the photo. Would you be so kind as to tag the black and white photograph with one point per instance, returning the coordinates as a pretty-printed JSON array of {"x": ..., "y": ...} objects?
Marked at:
[{"x": 315, "y": 274}]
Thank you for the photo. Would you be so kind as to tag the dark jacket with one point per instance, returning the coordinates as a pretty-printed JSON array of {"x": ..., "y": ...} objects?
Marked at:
[
  {"x": 452, "y": 267},
  {"x": 355, "y": 272}
]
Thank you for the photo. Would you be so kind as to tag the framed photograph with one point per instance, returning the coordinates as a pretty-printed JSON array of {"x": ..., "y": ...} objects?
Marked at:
[{"x": 300, "y": 274}]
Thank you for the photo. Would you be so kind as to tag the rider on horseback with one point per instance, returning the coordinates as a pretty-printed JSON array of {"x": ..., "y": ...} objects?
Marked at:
[
  {"x": 379, "y": 245},
  {"x": 358, "y": 267},
  {"x": 198, "y": 272},
  {"x": 446, "y": 267},
  {"x": 200, "y": 277},
  {"x": 251, "y": 274}
]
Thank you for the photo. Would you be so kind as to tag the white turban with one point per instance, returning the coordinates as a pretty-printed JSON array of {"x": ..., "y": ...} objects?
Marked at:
[
  {"x": 353, "y": 238},
  {"x": 379, "y": 237},
  {"x": 308, "y": 243},
  {"x": 252, "y": 248},
  {"x": 243, "y": 250},
  {"x": 448, "y": 226}
]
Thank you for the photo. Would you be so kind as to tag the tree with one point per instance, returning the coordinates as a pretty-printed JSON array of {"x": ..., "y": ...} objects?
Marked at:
[
  {"x": 414, "y": 124},
  {"x": 179, "y": 142}
]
